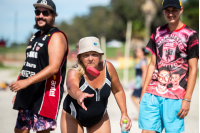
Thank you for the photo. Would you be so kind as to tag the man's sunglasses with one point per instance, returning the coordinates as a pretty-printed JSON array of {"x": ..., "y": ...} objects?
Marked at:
[{"x": 45, "y": 13}]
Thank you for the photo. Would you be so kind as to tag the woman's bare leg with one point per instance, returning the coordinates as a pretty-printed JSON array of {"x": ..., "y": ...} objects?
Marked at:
[
  {"x": 147, "y": 131},
  {"x": 101, "y": 127},
  {"x": 69, "y": 124},
  {"x": 21, "y": 131}
]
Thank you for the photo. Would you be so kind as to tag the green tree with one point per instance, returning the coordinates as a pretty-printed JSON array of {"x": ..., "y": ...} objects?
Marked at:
[
  {"x": 191, "y": 14},
  {"x": 159, "y": 19},
  {"x": 111, "y": 21},
  {"x": 96, "y": 23},
  {"x": 127, "y": 10}
]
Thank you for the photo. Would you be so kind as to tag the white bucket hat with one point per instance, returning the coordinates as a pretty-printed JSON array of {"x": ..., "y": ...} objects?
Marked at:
[{"x": 87, "y": 44}]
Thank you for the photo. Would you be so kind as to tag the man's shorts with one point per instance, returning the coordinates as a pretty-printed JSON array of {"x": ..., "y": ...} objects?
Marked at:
[
  {"x": 27, "y": 120},
  {"x": 156, "y": 113}
]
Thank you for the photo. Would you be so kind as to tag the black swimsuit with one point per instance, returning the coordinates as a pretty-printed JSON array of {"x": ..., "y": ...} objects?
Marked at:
[{"x": 96, "y": 105}]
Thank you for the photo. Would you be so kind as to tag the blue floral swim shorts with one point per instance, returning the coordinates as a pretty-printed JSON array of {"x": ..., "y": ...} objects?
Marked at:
[{"x": 28, "y": 120}]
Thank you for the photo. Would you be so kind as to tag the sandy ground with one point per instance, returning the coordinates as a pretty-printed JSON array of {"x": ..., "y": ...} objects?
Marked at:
[{"x": 8, "y": 115}]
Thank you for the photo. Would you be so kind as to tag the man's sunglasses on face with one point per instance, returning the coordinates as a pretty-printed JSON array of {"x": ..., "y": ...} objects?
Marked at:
[{"x": 45, "y": 13}]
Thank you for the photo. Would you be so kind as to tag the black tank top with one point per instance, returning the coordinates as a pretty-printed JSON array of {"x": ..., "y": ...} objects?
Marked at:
[
  {"x": 96, "y": 105},
  {"x": 44, "y": 97}
]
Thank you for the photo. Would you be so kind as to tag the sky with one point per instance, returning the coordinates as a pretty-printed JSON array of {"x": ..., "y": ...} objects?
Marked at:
[{"x": 17, "y": 17}]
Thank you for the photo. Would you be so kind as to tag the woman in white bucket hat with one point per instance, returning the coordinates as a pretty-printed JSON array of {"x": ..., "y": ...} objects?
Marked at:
[{"x": 89, "y": 84}]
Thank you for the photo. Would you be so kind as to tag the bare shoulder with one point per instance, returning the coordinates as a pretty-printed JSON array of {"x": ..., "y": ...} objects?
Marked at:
[
  {"x": 73, "y": 77},
  {"x": 110, "y": 67},
  {"x": 59, "y": 37},
  {"x": 72, "y": 73}
]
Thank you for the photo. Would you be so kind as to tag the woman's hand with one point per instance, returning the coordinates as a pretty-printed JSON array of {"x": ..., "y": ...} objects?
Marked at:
[
  {"x": 18, "y": 85},
  {"x": 129, "y": 124},
  {"x": 81, "y": 97}
]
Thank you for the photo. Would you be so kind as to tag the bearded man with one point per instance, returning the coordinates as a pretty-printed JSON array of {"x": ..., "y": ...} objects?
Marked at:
[{"x": 40, "y": 84}]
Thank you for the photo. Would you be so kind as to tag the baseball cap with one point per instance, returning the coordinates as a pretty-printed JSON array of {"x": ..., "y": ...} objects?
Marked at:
[
  {"x": 49, "y": 4},
  {"x": 87, "y": 44},
  {"x": 172, "y": 3}
]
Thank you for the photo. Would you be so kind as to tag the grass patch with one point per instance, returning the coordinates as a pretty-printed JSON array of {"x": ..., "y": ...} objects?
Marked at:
[
  {"x": 131, "y": 73},
  {"x": 112, "y": 52},
  {"x": 17, "y": 49},
  {"x": 1, "y": 65}
]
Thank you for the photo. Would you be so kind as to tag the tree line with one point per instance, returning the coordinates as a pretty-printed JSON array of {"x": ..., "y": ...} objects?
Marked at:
[{"x": 111, "y": 21}]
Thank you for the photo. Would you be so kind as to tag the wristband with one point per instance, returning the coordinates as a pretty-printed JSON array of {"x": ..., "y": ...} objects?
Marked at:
[{"x": 186, "y": 100}]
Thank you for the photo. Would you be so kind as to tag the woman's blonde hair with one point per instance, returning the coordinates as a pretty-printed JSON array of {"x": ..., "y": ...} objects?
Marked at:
[{"x": 80, "y": 67}]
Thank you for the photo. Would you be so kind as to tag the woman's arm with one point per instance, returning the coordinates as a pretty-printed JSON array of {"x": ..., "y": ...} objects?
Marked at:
[
  {"x": 119, "y": 94},
  {"x": 149, "y": 74},
  {"x": 72, "y": 82},
  {"x": 73, "y": 79},
  {"x": 190, "y": 87}
]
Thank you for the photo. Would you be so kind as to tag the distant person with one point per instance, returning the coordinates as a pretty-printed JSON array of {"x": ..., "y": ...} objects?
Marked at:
[
  {"x": 40, "y": 84},
  {"x": 175, "y": 51},
  {"x": 140, "y": 72},
  {"x": 88, "y": 92}
]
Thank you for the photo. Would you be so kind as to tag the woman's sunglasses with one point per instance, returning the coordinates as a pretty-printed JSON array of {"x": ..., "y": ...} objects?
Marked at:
[{"x": 45, "y": 13}]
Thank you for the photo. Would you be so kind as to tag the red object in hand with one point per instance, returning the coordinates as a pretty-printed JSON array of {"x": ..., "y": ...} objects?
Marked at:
[{"x": 91, "y": 70}]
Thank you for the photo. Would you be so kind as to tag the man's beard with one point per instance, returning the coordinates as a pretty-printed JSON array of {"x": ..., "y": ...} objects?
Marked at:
[{"x": 44, "y": 28}]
